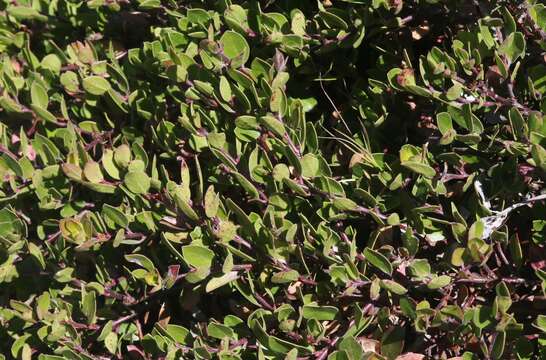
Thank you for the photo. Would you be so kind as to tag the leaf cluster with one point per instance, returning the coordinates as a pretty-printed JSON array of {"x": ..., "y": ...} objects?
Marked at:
[{"x": 284, "y": 179}]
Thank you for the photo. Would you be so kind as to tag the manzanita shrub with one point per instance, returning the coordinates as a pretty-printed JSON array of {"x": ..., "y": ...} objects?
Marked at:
[{"x": 280, "y": 179}]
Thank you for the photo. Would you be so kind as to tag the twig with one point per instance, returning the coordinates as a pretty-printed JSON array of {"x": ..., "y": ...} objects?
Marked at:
[
  {"x": 123, "y": 319},
  {"x": 6, "y": 151},
  {"x": 484, "y": 280},
  {"x": 264, "y": 303}
]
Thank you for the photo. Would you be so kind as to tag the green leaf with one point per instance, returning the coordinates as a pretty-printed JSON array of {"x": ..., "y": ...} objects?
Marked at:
[
  {"x": 115, "y": 215},
  {"x": 10, "y": 225},
  {"x": 96, "y": 85},
  {"x": 247, "y": 185},
  {"x": 38, "y": 95},
  {"x": 18, "y": 344},
  {"x": 43, "y": 113},
  {"x": 225, "y": 231},
  {"x": 109, "y": 166},
  {"x": 34, "y": 250},
  {"x": 352, "y": 347},
  {"x": 274, "y": 343},
  {"x": 101, "y": 188},
  {"x": 310, "y": 165},
  {"x": 220, "y": 331},
  {"x": 51, "y": 62},
  {"x": 65, "y": 275},
  {"x": 49, "y": 357},
  {"x": 482, "y": 317},
  {"x": 298, "y": 22},
  {"x": 92, "y": 172},
  {"x": 454, "y": 92},
  {"x": 122, "y": 156},
  {"x": 393, "y": 287},
  {"x": 286, "y": 276},
  {"x": 439, "y": 282},
  {"x": 278, "y": 104},
  {"x": 225, "y": 89},
  {"x": 503, "y": 299},
  {"x": 509, "y": 22},
  {"x": 111, "y": 342},
  {"x": 25, "y": 13},
  {"x": 149, "y": 4},
  {"x": 420, "y": 269},
  {"x": 513, "y": 46},
  {"x": 339, "y": 355},
  {"x": 70, "y": 81},
  {"x": 89, "y": 307},
  {"x": 420, "y": 168},
  {"x": 319, "y": 313},
  {"x": 444, "y": 122},
  {"x": 138, "y": 182},
  {"x": 538, "y": 14},
  {"x": 274, "y": 125},
  {"x": 344, "y": 204},
  {"x": 392, "y": 342},
  {"x": 212, "y": 202},
  {"x": 519, "y": 127},
  {"x": 539, "y": 156},
  {"x": 378, "y": 260},
  {"x": 235, "y": 47},
  {"x": 178, "y": 333},
  {"x": 333, "y": 20},
  {"x": 141, "y": 260},
  {"x": 498, "y": 345},
  {"x": 185, "y": 207},
  {"x": 217, "y": 282},
  {"x": 198, "y": 256}
]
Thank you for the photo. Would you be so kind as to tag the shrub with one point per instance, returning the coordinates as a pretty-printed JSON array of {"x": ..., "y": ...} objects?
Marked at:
[{"x": 272, "y": 179}]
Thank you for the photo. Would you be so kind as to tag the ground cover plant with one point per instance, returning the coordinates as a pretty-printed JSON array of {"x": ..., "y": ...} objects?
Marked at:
[{"x": 281, "y": 179}]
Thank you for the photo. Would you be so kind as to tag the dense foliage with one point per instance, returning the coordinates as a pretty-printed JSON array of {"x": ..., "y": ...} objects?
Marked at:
[{"x": 272, "y": 179}]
